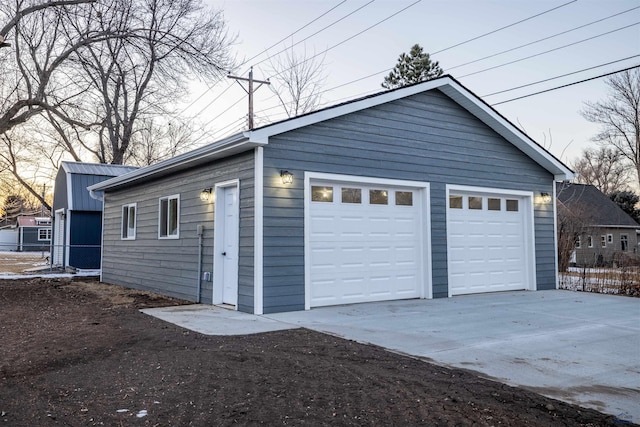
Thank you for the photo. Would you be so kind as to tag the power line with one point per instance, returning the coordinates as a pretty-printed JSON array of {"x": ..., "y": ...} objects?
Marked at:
[
  {"x": 317, "y": 32},
  {"x": 302, "y": 28},
  {"x": 542, "y": 39},
  {"x": 503, "y": 28},
  {"x": 560, "y": 76},
  {"x": 352, "y": 37},
  {"x": 550, "y": 50},
  {"x": 567, "y": 85},
  {"x": 255, "y": 56}
]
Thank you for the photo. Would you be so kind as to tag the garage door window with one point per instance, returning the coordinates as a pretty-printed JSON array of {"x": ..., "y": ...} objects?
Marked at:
[
  {"x": 321, "y": 194},
  {"x": 351, "y": 195},
  {"x": 493, "y": 204},
  {"x": 378, "y": 197},
  {"x": 512, "y": 205},
  {"x": 404, "y": 198},
  {"x": 475, "y": 202},
  {"x": 455, "y": 202}
]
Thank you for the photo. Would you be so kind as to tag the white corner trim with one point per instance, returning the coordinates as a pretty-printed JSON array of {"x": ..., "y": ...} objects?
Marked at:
[
  {"x": 258, "y": 233},
  {"x": 307, "y": 240},
  {"x": 555, "y": 235}
]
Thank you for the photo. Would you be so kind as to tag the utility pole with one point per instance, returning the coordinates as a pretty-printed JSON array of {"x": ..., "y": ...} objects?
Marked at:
[{"x": 250, "y": 91}]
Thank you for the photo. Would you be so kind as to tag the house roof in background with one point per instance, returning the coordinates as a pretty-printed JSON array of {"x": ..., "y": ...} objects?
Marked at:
[
  {"x": 601, "y": 210},
  {"x": 99, "y": 169}
]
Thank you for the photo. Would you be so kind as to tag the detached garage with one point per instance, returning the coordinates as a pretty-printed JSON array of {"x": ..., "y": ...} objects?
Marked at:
[{"x": 418, "y": 192}]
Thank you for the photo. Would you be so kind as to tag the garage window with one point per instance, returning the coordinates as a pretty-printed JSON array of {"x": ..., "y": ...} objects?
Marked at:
[
  {"x": 493, "y": 204},
  {"x": 512, "y": 205},
  {"x": 321, "y": 194},
  {"x": 378, "y": 197},
  {"x": 475, "y": 202},
  {"x": 404, "y": 198},
  {"x": 455, "y": 202},
  {"x": 351, "y": 195}
]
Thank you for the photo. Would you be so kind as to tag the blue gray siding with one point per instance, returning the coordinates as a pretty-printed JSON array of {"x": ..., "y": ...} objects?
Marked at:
[
  {"x": 170, "y": 266},
  {"x": 425, "y": 137},
  {"x": 81, "y": 200}
]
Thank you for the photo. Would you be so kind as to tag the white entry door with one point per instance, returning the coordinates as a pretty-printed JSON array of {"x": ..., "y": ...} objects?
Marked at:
[
  {"x": 58, "y": 239},
  {"x": 227, "y": 237},
  {"x": 365, "y": 242},
  {"x": 488, "y": 242}
]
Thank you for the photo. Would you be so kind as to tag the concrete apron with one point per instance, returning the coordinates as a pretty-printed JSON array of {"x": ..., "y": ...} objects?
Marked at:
[{"x": 577, "y": 347}]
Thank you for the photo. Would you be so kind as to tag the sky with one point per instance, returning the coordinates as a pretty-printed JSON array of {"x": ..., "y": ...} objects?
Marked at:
[{"x": 359, "y": 41}]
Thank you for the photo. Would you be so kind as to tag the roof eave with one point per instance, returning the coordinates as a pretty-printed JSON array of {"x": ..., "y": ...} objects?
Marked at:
[{"x": 234, "y": 144}]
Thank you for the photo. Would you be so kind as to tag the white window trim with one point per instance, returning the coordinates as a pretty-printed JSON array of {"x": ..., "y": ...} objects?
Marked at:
[
  {"x": 135, "y": 221},
  {"x": 609, "y": 238},
  {"x": 169, "y": 198},
  {"x": 48, "y": 230},
  {"x": 418, "y": 187},
  {"x": 579, "y": 242}
]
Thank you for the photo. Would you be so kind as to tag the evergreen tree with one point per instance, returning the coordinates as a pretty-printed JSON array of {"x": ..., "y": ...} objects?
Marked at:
[
  {"x": 627, "y": 201},
  {"x": 412, "y": 68}
]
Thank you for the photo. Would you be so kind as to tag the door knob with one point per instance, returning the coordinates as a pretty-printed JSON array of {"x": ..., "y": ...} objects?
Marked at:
[{"x": 224, "y": 253}]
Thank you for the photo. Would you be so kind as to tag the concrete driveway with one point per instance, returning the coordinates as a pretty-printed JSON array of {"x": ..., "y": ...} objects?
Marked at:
[{"x": 577, "y": 347}]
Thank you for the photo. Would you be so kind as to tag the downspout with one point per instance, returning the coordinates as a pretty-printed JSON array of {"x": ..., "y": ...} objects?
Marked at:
[{"x": 200, "y": 241}]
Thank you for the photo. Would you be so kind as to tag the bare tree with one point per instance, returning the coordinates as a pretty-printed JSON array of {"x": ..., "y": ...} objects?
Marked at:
[
  {"x": 93, "y": 70},
  {"x": 619, "y": 116},
  {"x": 140, "y": 76},
  {"x": 297, "y": 82},
  {"x": 604, "y": 168},
  {"x": 155, "y": 141}
]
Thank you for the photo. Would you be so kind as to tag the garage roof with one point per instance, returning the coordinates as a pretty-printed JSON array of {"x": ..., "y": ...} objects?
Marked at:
[{"x": 247, "y": 140}]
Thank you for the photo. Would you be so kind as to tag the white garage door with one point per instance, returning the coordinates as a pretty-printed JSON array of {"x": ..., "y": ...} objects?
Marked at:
[
  {"x": 487, "y": 243},
  {"x": 364, "y": 243}
]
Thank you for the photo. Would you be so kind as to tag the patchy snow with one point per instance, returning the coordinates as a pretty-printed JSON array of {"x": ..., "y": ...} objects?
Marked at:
[
  {"x": 83, "y": 273},
  {"x": 142, "y": 413},
  {"x": 120, "y": 411}
]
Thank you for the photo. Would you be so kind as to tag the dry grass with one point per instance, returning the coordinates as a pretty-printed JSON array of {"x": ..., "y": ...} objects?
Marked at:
[
  {"x": 619, "y": 281},
  {"x": 18, "y": 262}
]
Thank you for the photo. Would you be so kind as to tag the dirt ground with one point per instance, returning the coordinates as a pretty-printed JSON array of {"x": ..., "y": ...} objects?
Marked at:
[{"x": 81, "y": 354}]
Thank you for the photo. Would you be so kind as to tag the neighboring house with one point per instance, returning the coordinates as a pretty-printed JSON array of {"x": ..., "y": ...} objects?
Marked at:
[
  {"x": 603, "y": 232},
  {"x": 9, "y": 238},
  {"x": 34, "y": 233},
  {"x": 419, "y": 192},
  {"x": 77, "y": 217}
]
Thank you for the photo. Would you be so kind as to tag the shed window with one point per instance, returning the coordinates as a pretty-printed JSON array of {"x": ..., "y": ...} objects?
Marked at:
[
  {"x": 169, "y": 217},
  {"x": 590, "y": 241},
  {"x": 44, "y": 234},
  {"x": 603, "y": 241},
  {"x": 128, "y": 222},
  {"x": 609, "y": 238},
  {"x": 578, "y": 242}
]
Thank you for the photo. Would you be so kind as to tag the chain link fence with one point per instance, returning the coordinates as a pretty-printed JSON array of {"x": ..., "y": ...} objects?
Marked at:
[{"x": 38, "y": 258}]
